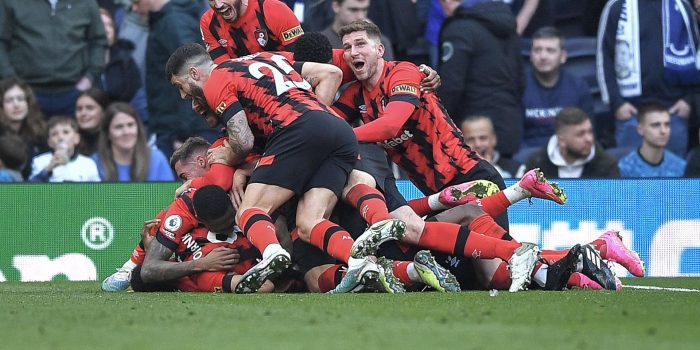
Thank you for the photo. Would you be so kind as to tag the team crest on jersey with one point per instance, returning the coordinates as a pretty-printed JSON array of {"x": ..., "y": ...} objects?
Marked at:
[
  {"x": 173, "y": 222},
  {"x": 261, "y": 37},
  {"x": 292, "y": 33},
  {"x": 223, "y": 42},
  {"x": 220, "y": 108}
]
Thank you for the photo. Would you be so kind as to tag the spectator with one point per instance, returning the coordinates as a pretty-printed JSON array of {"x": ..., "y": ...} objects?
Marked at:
[
  {"x": 531, "y": 15},
  {"x": 652, "y": 159},
  {"x": 172, "y": 23},
  {"x": 121, "y": 78},
  {"x": 21, "y": 115},
  {"x": 637, "y": 62},
  {"x": 64, "y": 164},
  {"x": 12, "y": 157},
  {"x": 480, "y": 136},
  {"x": 572, "y": 151},
  {"x": 89, "y": 113},
  {"x": 134, "y": 28},
  {"x": 481, "y": 67},
  {"x": 549, "y": 88},
  {"x": 122, "y": 151},
  {"x": 346, "y": 12},
  {"x": 57, "y": 47},
  {"x": 692, "y": 169}
]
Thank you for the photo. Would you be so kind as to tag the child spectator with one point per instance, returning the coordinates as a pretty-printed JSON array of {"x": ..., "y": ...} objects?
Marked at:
[
  {"x": 123, "y": 153},
  {"x": 64, "y": 164},
  {"x": 12, "y": 157}
]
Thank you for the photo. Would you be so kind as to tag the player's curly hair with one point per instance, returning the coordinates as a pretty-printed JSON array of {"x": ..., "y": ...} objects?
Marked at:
[
  {"x": 211, "y": 202},
  {"x": 313, "y": 47}
]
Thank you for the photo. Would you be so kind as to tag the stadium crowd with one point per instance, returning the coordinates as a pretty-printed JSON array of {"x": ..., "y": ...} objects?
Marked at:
[{"x": 110, "y": 90}]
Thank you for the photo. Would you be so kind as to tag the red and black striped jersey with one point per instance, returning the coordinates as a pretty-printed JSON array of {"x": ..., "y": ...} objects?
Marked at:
[
  {"x": 181, "y": 232},
  {"x": 429, "y": 147},
  {"x": 266, "y": 25},
  {"x": 266, "y": 87}
]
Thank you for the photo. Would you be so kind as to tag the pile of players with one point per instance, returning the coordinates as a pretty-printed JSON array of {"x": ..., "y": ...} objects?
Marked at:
[{"x": 293, "y": 197}]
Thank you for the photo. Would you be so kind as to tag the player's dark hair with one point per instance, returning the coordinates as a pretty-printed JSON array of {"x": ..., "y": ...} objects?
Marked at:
[
  {"x": 191, "y": 146},
  {"x": 13, "y": 151},
  {"x": 372, "y": 30},
  {"x": 569, "y": 116},
  {"x": 313, "y": 47},
  {"x": 191, "y": 54},
  {"x": 211, "y": 202},
  {"x": 549, "y": 33},
  {"x": 62, "y": 120},
  {"x": 647, "y": 107}
]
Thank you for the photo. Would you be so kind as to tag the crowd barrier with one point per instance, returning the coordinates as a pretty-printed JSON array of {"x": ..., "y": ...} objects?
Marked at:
[{"x": 85, "y": 231}]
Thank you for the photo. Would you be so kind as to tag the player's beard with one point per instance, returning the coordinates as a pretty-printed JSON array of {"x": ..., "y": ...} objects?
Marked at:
[
  {"x": 583, "y": 154},
  {"x": 235, "y": 9}
]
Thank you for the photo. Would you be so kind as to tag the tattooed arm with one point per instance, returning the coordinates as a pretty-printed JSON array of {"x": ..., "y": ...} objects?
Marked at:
[
  {"x": 240, "y": 137},
  {"x": 325, "y": 79},
  {"x": 157, "y": 267}
]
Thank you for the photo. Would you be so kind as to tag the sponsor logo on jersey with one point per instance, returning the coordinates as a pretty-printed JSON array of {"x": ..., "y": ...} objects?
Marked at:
[
  {"x": 261, "y": 37},
  {"x": 173, "y": 223},
  {"x": 403, "y": 88},
  {"x": 220, "y": 108},
  {"x": 292, "y": 33},
  {"x": 397, "y": 140}
]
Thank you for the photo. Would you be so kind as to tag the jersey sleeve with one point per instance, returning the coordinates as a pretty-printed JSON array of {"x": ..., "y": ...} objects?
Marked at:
[
  {"x": 221, "y": 94},
  {"x": 403, "y": 84},
  {"x": 216, "y": 51},
  {"x": 282, "y": 22},
  {"x": 178, "y": 221}
]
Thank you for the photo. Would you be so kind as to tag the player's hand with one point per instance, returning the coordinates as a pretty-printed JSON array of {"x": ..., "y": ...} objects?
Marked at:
[
  {"x": 625, "y": 111},
  {"x": 680, "y": 108},
  {"x": 432, "y": 80},
  {"x": 219, "y": 259},
  {"x": 222, "y": 155},
  {"x": 184, "y": 187},
  {"x": 146, "y": 237},
  {"x": 240, "y": 178}
]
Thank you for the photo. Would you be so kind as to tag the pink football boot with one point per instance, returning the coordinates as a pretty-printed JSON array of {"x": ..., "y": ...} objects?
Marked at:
[
  {"x": 467, "y": 192},
  {"x": 617, "y": 251},
  {"x": 538, "y": 186}
]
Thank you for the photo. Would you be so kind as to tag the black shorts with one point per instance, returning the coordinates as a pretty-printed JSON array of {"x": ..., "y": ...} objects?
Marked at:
[
  {"x": 461, "y": 267},
  {"x": 318, "y": 150},
  {"x": 484, "y": 171},
  {"x": 373, "y": 161},
  {"x": 306, "y": 256}
]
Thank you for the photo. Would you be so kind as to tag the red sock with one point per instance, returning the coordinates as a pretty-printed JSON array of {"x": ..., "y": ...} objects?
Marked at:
[
  {"x": 501, "y": 278},
  {"x": 369, "y": 201},
  {"x": 401, "y": 271},
  {"x": 455, "y": 239},
  {"x": 332, "y": 240},
  {"x": 552, "y": 256},
  {"x": 601, "y": 246},
  {"x": 259, "y": 228},
  {"x": 330, "y": 278},
  {"x": 138, "y": 254},
  {"x": 485, "y": 225},
  {"x": 495, "y": 204},
  {"x": 574, "y": 280},
  {"x": 420, "y": 206}
]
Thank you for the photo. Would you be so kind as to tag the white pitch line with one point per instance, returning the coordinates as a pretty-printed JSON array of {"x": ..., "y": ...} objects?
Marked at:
[{"x": 664, "y": 288}]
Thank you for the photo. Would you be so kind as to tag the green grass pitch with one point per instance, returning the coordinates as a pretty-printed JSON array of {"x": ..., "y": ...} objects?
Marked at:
[{"x": 77, "y": 315}]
